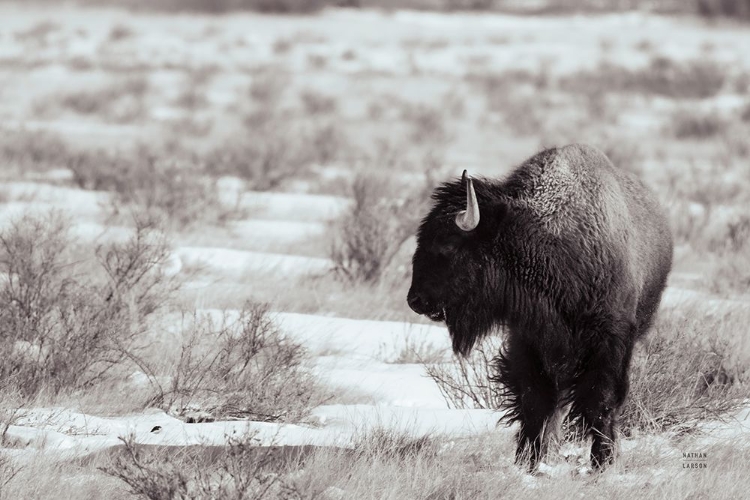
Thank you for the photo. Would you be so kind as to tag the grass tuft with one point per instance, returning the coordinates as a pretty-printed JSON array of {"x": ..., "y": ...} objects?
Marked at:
[
  {"x": 369, "y": 236},
  {"x": 241, "y": 470},
  {"x": 690, "y": 368},
  {"x": 62, "y": 330},
  {"x": 241, "y": 366},
  {"x": 687, "y": 124}
]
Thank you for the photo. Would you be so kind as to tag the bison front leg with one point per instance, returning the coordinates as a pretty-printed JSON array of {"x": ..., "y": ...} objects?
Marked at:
[
  {"x": 552, "y": 432},
  {"x": 531, "y": 400},
  {"x": 600, "y": 392}
]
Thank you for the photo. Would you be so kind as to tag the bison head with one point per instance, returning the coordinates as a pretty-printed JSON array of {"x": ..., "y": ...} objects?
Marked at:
[{"x": 452, "y": 277}]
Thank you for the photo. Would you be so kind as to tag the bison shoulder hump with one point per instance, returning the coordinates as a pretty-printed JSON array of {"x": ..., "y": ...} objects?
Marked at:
[{"x": 567, "y": 181}]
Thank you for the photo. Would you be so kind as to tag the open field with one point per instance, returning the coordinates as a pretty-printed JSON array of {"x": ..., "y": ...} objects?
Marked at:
[{"x": 210, "y": 218}]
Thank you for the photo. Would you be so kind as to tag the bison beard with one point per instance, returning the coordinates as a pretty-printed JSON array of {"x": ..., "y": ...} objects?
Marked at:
[
  {"x": 466, "y": 328},
  {"x": 570, "y": 256}
]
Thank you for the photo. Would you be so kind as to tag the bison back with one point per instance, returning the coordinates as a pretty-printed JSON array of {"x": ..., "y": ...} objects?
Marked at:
[{"x": 620, "y": 234}]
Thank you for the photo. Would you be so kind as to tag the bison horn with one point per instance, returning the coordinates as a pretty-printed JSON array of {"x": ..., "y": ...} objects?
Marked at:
[{"x": 468, "y": 219}]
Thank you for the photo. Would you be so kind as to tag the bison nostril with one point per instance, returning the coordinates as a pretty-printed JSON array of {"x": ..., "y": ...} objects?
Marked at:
[{"x": 415, "y": 302}]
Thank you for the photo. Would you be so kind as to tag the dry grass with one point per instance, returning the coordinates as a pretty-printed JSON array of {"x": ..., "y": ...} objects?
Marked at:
[
  {"x": 696, "y": 79},
  {"x": 690, "y": 368},
  {"x": 64, "y": 329},
  {"x": 465, "y": 382},
  {"x": 122, "y": 102},
  {"x": 384, "y": 464},
  {"x": 415, "y": 350},
  {"x": 400, "y": 466},
  {"x": 687, "y": 124},
  {"x": 46, "y": 479},
  {"x": 379, "y": 222},
  {"x": 239, "y": 366},
  {"x": 240, "y": 471}
]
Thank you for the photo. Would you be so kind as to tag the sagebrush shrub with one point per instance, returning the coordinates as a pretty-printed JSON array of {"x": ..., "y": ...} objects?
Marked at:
[
  {"x": 689, "y": 124},
  {"x": 466, "y": 382},
  {"x": 222, "y": 6},
  {"x": 694, "y": 79},
  {"x": 380, "y": 443},
  {"x": 379, "y": 221},
  {"x": 265, "y": 161},
  {"x": 239, "y": 366},
  {"x": 739, "y": 9},
  {"x": 32, "y": 151},
  {"x": 241, "y": 470},
  {"x": 149, "y": 179},
  {"x": 689, "y": 368},
  {"x": 122, "y": 101},
  {"x": 60, "y": 328}
]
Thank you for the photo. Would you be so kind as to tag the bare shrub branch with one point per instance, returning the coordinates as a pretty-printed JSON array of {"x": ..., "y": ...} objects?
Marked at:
[
  {"x": 242, "y": 367},
  {"x": 686, "y": 370},
  {"x": 465, "y": 382},
  {"x": 378, "y": 223},
  {"x": 241, "y": 471},
  {"x": 60, "y": 329}
]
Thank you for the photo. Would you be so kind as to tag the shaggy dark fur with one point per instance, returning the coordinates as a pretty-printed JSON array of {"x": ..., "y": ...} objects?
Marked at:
[{"x": 570, "y": 256}]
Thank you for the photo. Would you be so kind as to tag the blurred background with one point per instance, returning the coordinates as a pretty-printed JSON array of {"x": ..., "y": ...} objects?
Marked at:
[{"x": 300, "y": 137}]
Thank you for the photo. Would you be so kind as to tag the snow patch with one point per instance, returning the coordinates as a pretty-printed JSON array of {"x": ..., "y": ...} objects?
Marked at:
[{"x": 239, "y": 262}]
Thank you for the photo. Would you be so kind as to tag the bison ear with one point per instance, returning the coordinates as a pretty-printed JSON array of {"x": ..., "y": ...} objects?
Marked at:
[{"x": 495, "y": 216}]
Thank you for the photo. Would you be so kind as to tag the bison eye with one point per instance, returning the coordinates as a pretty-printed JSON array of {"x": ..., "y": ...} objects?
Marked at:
[{"x": 446, "y": 249}]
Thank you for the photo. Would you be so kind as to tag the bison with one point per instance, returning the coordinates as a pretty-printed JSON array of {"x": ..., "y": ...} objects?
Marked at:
[{"x": 569, "y": 255}]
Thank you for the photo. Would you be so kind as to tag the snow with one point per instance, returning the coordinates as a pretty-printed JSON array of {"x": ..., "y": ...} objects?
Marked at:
[
  {"x": 40, "y": 197},
  {"x": 16, "y": 209},
  {"x": 735, "y": 428},
  {"x": 99, "y": 233},
  {"x": 69, "y": 127},
  {"x": 675, "y": 297},
  {"x": 293, "y": 206},
  {"x": 277, "y": 232},
  {"x": 76, "y": 434},
  {"x": 360, "y": 339},
  {"x": 407, "y": 401},
  {"x": 415, "y": 422},
  {"x": 228, "y": 262},
  {"x": 69, "y": 434},
  {"x": 402, "y": 385}
]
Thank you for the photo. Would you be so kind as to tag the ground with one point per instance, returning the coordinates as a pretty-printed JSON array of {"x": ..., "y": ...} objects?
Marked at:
[{"x": 264, "y": 125}]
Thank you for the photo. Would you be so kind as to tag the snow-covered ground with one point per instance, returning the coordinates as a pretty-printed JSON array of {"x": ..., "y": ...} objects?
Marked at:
[
  {"x": 349, "y": 354},
  {"x": 66, "y": 434},
  {"x": 281, "y": 241}
]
